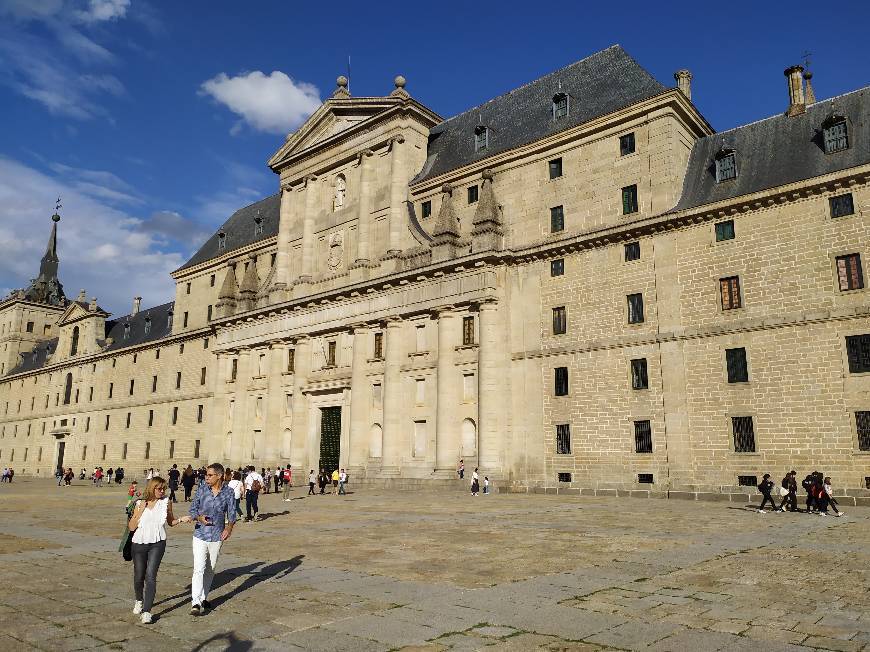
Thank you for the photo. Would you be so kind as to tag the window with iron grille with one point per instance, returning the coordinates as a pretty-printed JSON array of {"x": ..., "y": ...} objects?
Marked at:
[
  {"x": 726, "y": 167},
  {"x": 858, "y": 352},
  {"x": 643, "y": 437},
  {"x": 234, "y": 369},
  {"x": 563, "y": 439},
  {"x": 560, "y": 106},
  {"x": 426, "y": 209},
  {"x": 174, "y": 415},
  {"x": 632, "y": 251},
  {"x": 836, "y": 137},
  {"x": 629, "y": 200},
  {"x": 561, "y": 381},
  {"x": 842, "y": 205},
  {"x": 472, "y": 194},
  {"x": 209, "y": 311},
  {"x": 560, "y": 321},
  {"x": 291, "y": 360},
  {"x": 196, "y": 449},
  {"x": 330, "y": 353},
  {"x": 177, "y": 380},
  {"x": 150, "y": 418},
  {"x": 639, "y": 378},
  {"x": 467, "y": 330},
  {"x": 129, "y": 417},
  {"x": 645, "y": 478},
  {"x": 171, "y": 448},
  {"x": 563, "y": 476},
  {"x": 849, "y": 273},
  {"x": 729, "y": 289},
  {"x": 725, "y": 230},
  {"x": 199, "y": 413},
  {"x": 735, "y": 361},
  {"x": 635, "y": 308},
  {"x": 744, "y": 434},
  {"x": 211, "y": 280},
  {"x": 555, "y": 167},
  {"x": 557, "y": 219},
  {"x": 481, "y": 138},
  {"x": 379, "y": 346},
  {"x": 862, "y": 423},
  {"x": 557, "y": 267},
  {"x": 202, "y": 373},
  {"x": 147, "y": 449},
  {"x": 747, "y": 480},
  {"x": 626, "y": 144}
]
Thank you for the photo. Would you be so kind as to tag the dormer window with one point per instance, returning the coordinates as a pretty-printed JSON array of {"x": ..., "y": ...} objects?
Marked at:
[
  {"x": 169, "y": 321},
  {"x": 147, "y": 325},
  {"x": 126, "y": 331},
  {"x": 835, "y": 134},
  {"x": 258, "y": 226},
  {"x": 560, "y": 106},
  {"x": 726, "y": 165},
  {"x": 222, "y": 241},
  {"x": 481, "y": 138}
]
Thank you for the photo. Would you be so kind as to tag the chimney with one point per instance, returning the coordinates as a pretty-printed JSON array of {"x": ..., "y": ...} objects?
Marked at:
[
  {"x": 93, "y": 306},
  {"x": 137, "y": 301},
  {"x": 82, "y": 296},
  {"x": 684, "y": 82},
  {"x": 796, "y": 105}
]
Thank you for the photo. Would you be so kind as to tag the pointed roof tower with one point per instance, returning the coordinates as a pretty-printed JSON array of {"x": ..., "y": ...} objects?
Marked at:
[{"x": 47, "y": 288}]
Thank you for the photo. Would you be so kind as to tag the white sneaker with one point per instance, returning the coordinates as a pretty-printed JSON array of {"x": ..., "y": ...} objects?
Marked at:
[
  {"x": 760, "y": 511},
  {"x": 137, "y": 608},
  {"x": 146, "y": 618}
]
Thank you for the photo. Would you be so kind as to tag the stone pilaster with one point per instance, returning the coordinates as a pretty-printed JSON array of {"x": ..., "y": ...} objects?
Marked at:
[
  {"x": 300, "y": 454},
  {"x": 398, "y": 194},
  {"x": 213, "y": 449},
  {"x": 240, "y": 445},
  {"x": 282, "y": 259},
  {"x": 446, "y": 427},
  {"x": 393, "y": 436},
  {"x": 311, "y": 191},
  {"x": 275, "y": 402},
  {"x": 364, "y": 217},
  {"x": 491, "y": 391},
  {"x": 360, "y": 400}
]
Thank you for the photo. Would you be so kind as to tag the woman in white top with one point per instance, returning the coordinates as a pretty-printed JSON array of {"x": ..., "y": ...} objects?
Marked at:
[
  {"x": 148, "y": 524},
  {"x": 236, "y": 485}
]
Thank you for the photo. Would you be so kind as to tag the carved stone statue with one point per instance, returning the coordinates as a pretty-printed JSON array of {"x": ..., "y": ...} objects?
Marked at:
[{"x": 340, "y": 191}]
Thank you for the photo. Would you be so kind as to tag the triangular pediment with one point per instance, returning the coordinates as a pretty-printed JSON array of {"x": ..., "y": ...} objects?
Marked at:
[{"x": 77, "y": 311}]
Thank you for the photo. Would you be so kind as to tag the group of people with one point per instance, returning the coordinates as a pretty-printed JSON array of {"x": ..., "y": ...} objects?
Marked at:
[
  {"x": 8, "y": 474},
  {"x": 820, "y": 494},
  {"x": 337, "y": 480},
  {"x": 475, "y": 479}
]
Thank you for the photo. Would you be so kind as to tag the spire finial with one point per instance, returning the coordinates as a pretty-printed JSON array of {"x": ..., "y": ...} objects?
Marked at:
[{"x": 57, "y": 207}]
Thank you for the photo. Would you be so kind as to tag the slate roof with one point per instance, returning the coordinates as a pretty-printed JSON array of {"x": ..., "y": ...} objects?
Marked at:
[
  {"x": 597, "y": 85},
  {"x": 35, "y": 358},
  {"x": 239, "y": 230},
  {"x": 777, "y": 151}
]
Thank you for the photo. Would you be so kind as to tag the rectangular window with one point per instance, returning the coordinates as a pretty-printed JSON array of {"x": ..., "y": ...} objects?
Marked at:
[
  {"x": 184, "y": 321},
  {"x": 177, "y": 380},
  {"x": 202, "y": 376},
  {"x": 836, "y": 137},
  {"x": 174, "y": 415},
  {"x": 563, "y": 439},
  {"x": 91, "y": 394},
  {"x": 635, "y": 308},
  {"x": 726, "y": 167},
  {"x": 199, "y": 412},
  {"x": 555, "y": 167},
  {"x": 744, "y": 434},
  {"x": 208, "y": 316},
  {"x": 747, "y": 480},
  {"x": 84, "y": 452},
  {"x": 472, "y": 194},
  {"x": 735, "y": 361},
  {"x": 426, "y": 209},
  {"x": 234, "y": 369},
  {"x": 643, "y": 437},
  {"x": 862, "y": 423},
  {"x": 467, "y": 331},
  {"x": 629, "y": 199},
  {"x": 645, "y": 478},
  {"x": 106, "y": 426},
  {"x": 725, "y": 230},
  {"x": 129, "y": 416},
  {"x": 419, "y": 339},
  {"x": 132, "y": 385},
  {"x": 330, "y": 353},
  {"x": 103, "y": 453},
  {"x": 147, "y": 450},
  {"x": 626, "y": 144},
  {"x": 124, "y": 452},
  {"x": 729, "y": 288},
  {"x": 187, "y": 289},
  {"x": 171, "y": 448},
  {"x": 561, "y": 381},
  {"x": 291, "y": 360},
  {"x": 557, "y": 267},
  {"x": 632, "y": 251},
  {"x": 849, "y": 273},
  {"x": 111, "y": 389},
  {"x": 211, "y": 280},
  {"x": 563, "y": 476},
  {"x": 468, "y": 387},
  {"x": 196, "y": 449},
  {"x": 560, "y": 321},
  {"x": 87, "y": 424},
  {"x": 560, "y": 106},
  {"x": 379, "y": 346},
  {"x": 150, "y": 418},
  {"x": 639, "y": 378},
  {"x": 153, "y": 384},
  {"x": 205, "y": 343},
  {"x": 30, "y": 327},
  {"x": 557, "y": 219},
  {"x": 842, "y": 205},
  {"x": 858, "y": 352}
]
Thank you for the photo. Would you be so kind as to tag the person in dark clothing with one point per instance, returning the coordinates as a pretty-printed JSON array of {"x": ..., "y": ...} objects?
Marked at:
[
  {"x": 789, "y": 483},
  {"x": 322, "y": 479},
  {"x": 174, "y": 475},
  {"x": 813, "y": 485},
  {"x": 765, "y": 488},
  {"x": 119, "y": 475},
  {"x": 188, "y": 479},
  {"x": 311, "y": 480}
]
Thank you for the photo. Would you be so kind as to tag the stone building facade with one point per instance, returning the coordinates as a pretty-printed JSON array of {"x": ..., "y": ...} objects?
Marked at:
[{"x": 578, "y": 284}]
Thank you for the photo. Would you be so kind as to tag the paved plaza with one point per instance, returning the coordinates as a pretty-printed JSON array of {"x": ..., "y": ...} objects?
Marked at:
[{"x": 442, "y": 571}]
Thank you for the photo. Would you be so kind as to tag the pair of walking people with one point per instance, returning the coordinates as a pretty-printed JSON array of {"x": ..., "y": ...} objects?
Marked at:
[{"x": 212, "y": 511}]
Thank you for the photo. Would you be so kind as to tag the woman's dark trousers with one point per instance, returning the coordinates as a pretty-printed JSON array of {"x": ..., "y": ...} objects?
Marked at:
[{"x": 146, "y": 563}]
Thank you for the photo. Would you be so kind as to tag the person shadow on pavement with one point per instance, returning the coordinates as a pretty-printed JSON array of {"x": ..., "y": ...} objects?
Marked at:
[{"x": 233, "y": 644}]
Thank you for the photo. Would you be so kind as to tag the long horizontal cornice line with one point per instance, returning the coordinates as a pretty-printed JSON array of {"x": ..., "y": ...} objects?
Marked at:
[
  {"x": 219, "y": 261},
  {"x": 744, "y": 326},
  {"x": 670, "y": 99}
]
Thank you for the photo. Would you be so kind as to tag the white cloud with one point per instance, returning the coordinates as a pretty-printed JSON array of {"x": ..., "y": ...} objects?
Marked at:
[
  {"x": 102, "y": 247},
  {"x": 101, "y": 10},
  {"x": 272, "y": 103}
]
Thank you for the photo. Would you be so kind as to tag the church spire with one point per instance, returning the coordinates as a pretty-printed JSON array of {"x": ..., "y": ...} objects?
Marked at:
[{"x": 47, "y": 288}]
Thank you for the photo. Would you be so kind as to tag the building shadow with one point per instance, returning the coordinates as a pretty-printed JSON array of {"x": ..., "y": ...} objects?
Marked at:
[{"x": 233, "y": 644}]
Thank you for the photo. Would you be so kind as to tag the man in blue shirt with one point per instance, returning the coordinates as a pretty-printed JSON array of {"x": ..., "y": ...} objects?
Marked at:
[{"x": 214, "y": 512}]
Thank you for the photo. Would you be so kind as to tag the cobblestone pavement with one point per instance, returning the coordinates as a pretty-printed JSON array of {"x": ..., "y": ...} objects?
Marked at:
[{"x": 427, "y": 571}]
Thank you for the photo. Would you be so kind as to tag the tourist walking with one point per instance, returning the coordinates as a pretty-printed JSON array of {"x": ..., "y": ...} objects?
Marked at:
[
  {"x": 322, "y": 481},
  {"x": 119, "y": 475},
  {"x": 57, "y": 474},
  {"x": 109, "y": 474},
  {"x": 475, "y": 483},
  {"x": 286, "y": 477},
  {"x": 188, "y": 479},
  {"x": 277, "y": 478},
  {"x": 485, "y": 485},
  {"x": 236, "y": 485},
  {"x": 174, "y": 475},
  {"x": 460, "y": 470},
  {"x": 342, "y": 480},
  {"x": 148, "y": 525},
  {"x": 826, "y": 498},
  {"x": 765, "y": 487},
  {"x": 68, "y": 477},
  {"x": 214, "y": 513},
  {"x": 253, "y": 486},
  {"x": 789, "y": 485},
  {"x": 312, "y": 478},
  {"x": 335, "y": 478},
  {"x": 267, "y": 480},
  {"x": 809, "y": 485}
]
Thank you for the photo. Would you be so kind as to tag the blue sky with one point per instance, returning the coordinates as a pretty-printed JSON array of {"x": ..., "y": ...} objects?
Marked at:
[{"x": 154, "y": 120}]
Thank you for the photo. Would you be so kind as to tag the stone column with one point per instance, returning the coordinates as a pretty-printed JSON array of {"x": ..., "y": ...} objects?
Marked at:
[
  {"x": 299, "y": 434},
  {"x": 393, "y": 357},
  {"x": 489, "y": 398},
  {"x": 311, "y": 191},
  {"x": 282, "y": 260},
  {"x": 364, "y": 217},
  {"x": 275, "y": 402},
  {"x": 360, "y": 399},
  {"x": 446, "y": 428},
  {"x": 398, "y": 194},
  {"x": 240, "y": 450}
]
